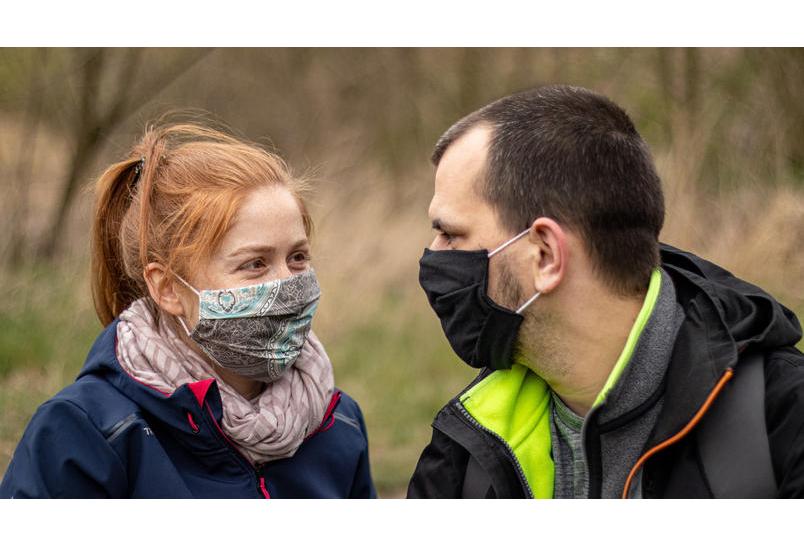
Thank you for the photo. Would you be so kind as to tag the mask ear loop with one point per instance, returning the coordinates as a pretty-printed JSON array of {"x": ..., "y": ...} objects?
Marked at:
[
  {"x": 509, "y": 242},
  {"x": 181, "y": 320},
  {"x": 184, "y": 326},
  {"x": 503, "y": 246},
  {"x": 528, "y": 303}
]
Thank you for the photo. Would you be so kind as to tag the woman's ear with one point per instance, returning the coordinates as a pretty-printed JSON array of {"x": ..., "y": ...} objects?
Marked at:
[
  {"x": 163, "y": 290},
  {"x": 550, "y": 260}
]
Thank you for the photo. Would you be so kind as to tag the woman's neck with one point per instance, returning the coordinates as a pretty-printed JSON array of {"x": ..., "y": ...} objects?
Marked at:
[{"x": 246, "y": 387}]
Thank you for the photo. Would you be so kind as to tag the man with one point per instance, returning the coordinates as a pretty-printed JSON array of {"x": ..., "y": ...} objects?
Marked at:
[{"x": 611, "y": 364}]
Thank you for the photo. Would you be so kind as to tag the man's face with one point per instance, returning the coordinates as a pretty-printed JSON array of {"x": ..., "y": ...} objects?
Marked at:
[{"x": 463, "y": 220}]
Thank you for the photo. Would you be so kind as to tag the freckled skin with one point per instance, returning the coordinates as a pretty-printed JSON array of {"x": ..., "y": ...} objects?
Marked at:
[
  {"x": 268, "y": 217},
  {"x": 270, "y": 223}
]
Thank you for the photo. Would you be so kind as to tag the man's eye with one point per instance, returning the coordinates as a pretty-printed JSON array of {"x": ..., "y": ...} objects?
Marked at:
[{"x": 446, "y": 236}]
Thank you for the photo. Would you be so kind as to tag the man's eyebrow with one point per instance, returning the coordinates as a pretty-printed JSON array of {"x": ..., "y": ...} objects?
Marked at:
[{"x": 441, "y": 226}]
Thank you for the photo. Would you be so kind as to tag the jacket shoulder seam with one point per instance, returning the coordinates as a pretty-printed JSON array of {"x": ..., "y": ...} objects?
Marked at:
[{"x": 347, "y": 420}]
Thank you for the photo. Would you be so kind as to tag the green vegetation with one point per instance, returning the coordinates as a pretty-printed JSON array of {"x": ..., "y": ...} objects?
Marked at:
[
  {"x": 46, "y": 329},
  {"x": 45, "y": 319}
]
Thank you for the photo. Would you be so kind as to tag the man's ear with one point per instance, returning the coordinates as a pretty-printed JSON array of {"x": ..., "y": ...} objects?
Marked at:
[
  {"x": 550, "y": 259},
  {"x": 163, "y": 290}
]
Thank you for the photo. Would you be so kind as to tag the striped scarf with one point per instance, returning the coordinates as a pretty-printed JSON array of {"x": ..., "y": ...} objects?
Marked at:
[{"x": 268, "y": 427}]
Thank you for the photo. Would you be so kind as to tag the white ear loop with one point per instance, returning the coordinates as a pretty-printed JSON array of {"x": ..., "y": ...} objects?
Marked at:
[
  {"x": 184, "y": 326},
  {"x": 188, "y": 285},
  {"x": 503, "y": 246},
  {"x": 509, "y": 242},
  {"x": 528, "y": 303},
  {"x": 181, "y": 320}
]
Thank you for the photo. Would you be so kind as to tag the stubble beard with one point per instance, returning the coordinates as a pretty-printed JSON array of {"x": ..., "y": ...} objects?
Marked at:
[{"x": 538, "y": 344}]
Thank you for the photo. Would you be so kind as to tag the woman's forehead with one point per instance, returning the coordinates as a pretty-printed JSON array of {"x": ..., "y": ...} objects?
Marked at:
[{"x": 269, "y": 216}]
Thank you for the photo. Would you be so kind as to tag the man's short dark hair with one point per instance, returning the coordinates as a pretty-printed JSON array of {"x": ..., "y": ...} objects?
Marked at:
[{"x": 572, "y": 155}]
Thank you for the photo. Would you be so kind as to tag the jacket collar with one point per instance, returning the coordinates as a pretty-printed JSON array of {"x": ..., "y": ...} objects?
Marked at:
[
  {"x": 183, "y": 411},
  {"x": 702, "y": 353},
  {"x": 193, "y": 412}
]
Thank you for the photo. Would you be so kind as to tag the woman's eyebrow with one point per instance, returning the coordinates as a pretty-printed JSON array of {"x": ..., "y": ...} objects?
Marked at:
[
  {"x": 256, "y": 248},
  {"x": 264, "y": 249}
]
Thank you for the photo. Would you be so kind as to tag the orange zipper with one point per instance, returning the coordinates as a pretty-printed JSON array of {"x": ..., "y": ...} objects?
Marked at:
[{"x": 681, "y": 434}]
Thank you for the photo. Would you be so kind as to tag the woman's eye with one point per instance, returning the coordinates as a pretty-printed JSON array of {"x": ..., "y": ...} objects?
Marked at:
[
  {"x": 299, "y": 258},
  {"x": 254, "y": 264}
]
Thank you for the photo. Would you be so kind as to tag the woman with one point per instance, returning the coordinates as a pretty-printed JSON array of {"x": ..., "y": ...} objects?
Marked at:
[{"x": 207, "y": 380}]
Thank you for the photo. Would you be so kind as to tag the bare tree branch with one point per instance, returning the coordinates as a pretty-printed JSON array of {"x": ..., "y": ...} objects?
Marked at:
[{"x": 93, "y": 123}]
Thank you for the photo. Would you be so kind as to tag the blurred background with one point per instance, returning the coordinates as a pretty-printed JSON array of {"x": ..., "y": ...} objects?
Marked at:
[{"x": 726, "y": 127}]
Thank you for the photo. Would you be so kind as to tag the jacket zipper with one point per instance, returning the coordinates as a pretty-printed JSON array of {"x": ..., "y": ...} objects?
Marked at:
[
  {"x": 509, "y": 452},
  {"x": 264, "y": 490},
  {"x": 593, "y": 466},
  {"x": 724, "y": 379},
  {"x": 261, "y": 487}
]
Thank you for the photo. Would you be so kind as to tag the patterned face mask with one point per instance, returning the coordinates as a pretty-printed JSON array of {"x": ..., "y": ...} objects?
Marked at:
[{"x": 256, "y": 331}]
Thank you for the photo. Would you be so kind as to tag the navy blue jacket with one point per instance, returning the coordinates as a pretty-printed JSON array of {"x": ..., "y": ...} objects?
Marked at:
[{"x": 107, "y": 435}]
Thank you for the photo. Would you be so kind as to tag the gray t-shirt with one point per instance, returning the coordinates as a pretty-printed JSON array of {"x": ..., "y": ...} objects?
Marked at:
[{"x": 571, "y": 480}]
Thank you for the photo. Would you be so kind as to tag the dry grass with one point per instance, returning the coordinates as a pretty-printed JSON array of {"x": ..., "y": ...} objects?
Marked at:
[{"x": 386, "y": 345}]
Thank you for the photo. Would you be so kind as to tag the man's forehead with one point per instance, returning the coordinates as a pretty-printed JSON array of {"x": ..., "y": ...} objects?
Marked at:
[{"x": 460, "y": 169}]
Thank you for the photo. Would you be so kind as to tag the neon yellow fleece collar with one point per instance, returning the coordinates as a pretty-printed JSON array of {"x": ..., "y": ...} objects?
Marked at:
[{"x": 514, "y": 405}]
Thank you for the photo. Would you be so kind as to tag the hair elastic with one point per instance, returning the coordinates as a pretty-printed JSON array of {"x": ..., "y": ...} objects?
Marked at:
[{"x": 138, "y": 167}]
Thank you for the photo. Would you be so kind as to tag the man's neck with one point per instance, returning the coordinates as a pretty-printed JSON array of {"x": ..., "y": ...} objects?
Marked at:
[{"x": 577, "y": 349}]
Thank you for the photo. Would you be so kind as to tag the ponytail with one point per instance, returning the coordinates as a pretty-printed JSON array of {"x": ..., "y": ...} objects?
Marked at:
[
  {"x": 155, "y": 147},
  {"x": 112, "y": 289}
]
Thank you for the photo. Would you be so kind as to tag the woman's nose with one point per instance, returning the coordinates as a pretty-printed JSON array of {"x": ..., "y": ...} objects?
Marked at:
[{"x": 283, "y": 271}]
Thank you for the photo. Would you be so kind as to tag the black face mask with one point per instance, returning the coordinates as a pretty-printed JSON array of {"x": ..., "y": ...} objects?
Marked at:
[{"x": 480, "y": 332}]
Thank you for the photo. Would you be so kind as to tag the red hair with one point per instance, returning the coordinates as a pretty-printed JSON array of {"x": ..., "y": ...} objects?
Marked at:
[{"x": 176, "y": 210}]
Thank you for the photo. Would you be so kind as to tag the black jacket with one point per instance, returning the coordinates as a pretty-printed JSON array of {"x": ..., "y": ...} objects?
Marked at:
[{"x": 724, "y": 317}]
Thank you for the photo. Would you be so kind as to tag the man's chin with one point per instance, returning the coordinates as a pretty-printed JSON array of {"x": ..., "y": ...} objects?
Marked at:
[
  {"x": 522, "y": 359},
  {"x": 551, "y": 371}
]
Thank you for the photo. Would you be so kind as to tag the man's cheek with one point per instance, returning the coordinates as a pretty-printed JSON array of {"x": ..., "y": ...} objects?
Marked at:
[{"x": 503, "y": 287}]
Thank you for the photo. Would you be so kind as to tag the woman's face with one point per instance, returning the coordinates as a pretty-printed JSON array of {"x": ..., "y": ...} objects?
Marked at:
[{"x": 266, "y": 241}]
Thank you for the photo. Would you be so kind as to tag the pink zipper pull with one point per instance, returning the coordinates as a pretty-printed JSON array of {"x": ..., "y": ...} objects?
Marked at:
[
  {"x": 192, "y": 422},
  {"x": 264, "y": 490}
]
